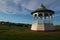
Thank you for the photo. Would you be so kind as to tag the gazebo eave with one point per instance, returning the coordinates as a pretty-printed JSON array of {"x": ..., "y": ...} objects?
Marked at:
[{"x": 42, "y": 11}]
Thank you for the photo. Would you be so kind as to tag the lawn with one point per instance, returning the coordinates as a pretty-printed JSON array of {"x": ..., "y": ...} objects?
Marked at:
[{"x": 20, "y": 33}]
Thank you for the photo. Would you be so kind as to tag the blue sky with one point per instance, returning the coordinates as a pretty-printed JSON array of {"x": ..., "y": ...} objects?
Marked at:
[{"x": 18, "y": 11}]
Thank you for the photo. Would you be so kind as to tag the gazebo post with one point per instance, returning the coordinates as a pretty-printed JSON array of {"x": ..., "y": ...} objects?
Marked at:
[
  {"x": 45, "y": 19},
  {"x": 49, "y": 18}
]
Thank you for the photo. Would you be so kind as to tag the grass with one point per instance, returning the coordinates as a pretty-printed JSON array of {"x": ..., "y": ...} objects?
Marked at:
[
  {"x": 57, "y": 27},
  {"x": 19, "y": 33}
]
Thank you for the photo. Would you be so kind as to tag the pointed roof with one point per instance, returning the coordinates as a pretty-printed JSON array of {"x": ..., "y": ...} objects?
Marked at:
[{"x": 42, "y": 9}]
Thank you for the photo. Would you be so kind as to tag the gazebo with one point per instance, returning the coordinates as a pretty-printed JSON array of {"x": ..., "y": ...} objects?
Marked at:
[{"x": 42, "y": 19}]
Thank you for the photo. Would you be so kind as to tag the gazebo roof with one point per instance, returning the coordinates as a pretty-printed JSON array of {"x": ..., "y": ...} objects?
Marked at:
[{"x": 42, "y": 9}]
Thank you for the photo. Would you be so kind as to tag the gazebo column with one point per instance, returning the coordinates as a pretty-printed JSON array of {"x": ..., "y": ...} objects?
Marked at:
[
  {"x": 49, "y": 18},
  {"x": 45, "y": 19},
  {"x": 39, "y": 20}
]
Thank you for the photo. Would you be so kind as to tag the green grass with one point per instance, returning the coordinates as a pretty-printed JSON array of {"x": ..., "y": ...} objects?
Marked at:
[
  {"x": 19, "y": 33},
  {"x": 57, "y": 27}
]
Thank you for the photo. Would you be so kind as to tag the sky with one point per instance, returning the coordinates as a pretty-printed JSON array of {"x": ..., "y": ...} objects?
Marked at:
[{"x": 19, "y": 11}]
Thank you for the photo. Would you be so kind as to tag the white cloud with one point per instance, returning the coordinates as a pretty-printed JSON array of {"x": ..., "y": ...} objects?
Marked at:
[
  {"x": 17, "y": 1},
  {"x": 56, "y": 15},
  {"x": 55, "y": 6},
  {"x": 20, "y": 6},
  {"x": 34, "y": 4},
  {"x": 11, "y": 6}
]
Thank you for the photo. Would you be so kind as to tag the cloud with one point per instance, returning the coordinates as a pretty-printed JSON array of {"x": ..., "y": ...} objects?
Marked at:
[
  {"x": 55, "y": 6},
  {"x": 25, "y": 6},
  {"x": 56, "y": 15},
  {"x": 34, "y": 4},
  {"x": 12, "y": 7}
]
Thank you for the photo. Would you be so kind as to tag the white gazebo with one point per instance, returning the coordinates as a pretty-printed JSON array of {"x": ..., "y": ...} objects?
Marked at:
[{"x": 42, "y": 19}]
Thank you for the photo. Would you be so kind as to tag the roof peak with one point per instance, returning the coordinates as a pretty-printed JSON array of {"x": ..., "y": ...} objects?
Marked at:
[{"x": 42, "y": 6}]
